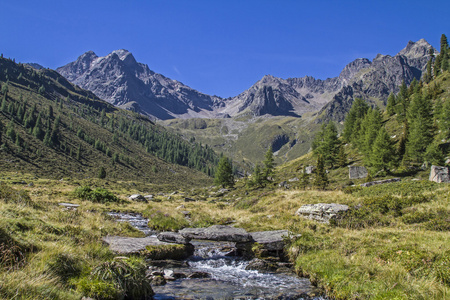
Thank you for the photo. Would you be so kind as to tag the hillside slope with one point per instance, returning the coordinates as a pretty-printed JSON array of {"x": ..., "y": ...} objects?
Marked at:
[{"x": 52, "y": 128}]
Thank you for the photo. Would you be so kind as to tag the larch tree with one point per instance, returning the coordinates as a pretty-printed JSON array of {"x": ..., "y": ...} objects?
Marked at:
[
  {"x": 224, "y": 173},
  {"x": 382, "y": 154}
]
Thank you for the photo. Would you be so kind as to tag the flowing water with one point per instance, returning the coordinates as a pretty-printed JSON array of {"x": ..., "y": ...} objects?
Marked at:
[{"x": 228, "y": 279}]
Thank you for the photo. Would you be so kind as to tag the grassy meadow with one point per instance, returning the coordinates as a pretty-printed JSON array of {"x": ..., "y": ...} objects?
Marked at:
[{"x": 394, "y": 244}]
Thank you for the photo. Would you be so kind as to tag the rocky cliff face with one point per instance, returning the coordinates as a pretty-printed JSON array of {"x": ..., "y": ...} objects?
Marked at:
[
  {"x": 375, "y": 80},
  {"x": 121, "y": 80}
]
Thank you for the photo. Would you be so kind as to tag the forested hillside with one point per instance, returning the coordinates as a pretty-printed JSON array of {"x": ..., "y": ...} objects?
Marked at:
[{"x": 52, "y": 128}]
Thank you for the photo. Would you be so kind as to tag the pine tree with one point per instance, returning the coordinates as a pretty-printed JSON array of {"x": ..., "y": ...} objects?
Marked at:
[
  {"x": 224, "y": 173},
  {"x": 444, "y": 44},
  {"x": 434, "y": 155},
  {"x": 444, "y": 121},
  {"x": 257, "y": 177},
  {"x": 357, "y": 111},
  {"x": 403, "y": 102},
  {"x": 101, "y": 173},
  {"x": 421, "y": 124},
  {"x": 326, "y": 144},
  {"x": 382, "y": 152},
  {"x": 429, "y": 74},
  {"x": 37, "y": 130},
  {"x": 391, "y": 102},
  {"x": 268, "y": 164},
  {"x": 304, "y": 179},
  {"x": 321, "y": 179},
  {"x": 373, "y": 122},
  {"x": 10, "y": 132},
  {"x": 341, "y": 157}
]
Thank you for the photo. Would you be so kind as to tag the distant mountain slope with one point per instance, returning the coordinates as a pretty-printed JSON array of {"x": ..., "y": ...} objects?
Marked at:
[
  {"x": 52, "y": 128},
  {"x": 119, "y": 79},
  {"x": 374, "y": 81}
]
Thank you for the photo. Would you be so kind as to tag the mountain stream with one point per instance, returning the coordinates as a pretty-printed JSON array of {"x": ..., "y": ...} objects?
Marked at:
[{"x": 228, "y": 277}]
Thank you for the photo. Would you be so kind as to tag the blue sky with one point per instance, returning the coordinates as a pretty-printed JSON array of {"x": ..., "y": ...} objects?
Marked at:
[{"x": 220, "y": 47}]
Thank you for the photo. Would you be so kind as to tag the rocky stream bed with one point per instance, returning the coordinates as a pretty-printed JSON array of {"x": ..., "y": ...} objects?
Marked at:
[{"x": 214, "y": 272}]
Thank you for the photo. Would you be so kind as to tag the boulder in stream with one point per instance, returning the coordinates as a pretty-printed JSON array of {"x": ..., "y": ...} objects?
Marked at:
[{"x": 217, "y": 233}]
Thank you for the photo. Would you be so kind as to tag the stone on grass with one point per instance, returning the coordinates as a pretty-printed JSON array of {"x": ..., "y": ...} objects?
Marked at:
[
  {"x": 270, "y": 240},
  {"x": 321, "y": 212},
  {"x": 439, "y": 174},
  {"x": 355, "y": 172},
  {"x": 137, "y": 197}
]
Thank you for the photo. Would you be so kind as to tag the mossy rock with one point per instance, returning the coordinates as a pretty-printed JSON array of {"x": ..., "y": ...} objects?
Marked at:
[{"x": 171, "y": 251}]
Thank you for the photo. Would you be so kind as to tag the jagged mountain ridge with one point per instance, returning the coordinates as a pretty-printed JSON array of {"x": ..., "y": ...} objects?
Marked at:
[{"x": 119, "y": 79}]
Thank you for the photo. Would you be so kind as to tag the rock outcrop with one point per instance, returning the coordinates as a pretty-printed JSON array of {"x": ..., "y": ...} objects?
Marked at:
[
  {"x": 322, "y": 212},
  {"x": 439, "y": 174},
  {"x": 355, "y": 172},
  {"x": 367, "y": 184}
]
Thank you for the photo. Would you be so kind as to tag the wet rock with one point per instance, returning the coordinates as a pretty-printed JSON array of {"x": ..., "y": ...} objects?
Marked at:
[
  {"x": 168, "y": 263},
  {"x": 137, "y": 198},
  {"x": 128, "y": 245},
  {"x": 173, "y": 237},
  {"x": 439, "y": 174},
  {"x": 217, "y": 233},
  {"x": 355, "y": 172},
  {"x": 158, "y": 280},
  {"x": 169, "y": 275},
  {"x": 199, "y": 275},
  {"x": 321, "y": 212},
  {"x": 367, "y": 184},
  {"x": 270, "y": 240},
  {"x": 261, "y": 265}
]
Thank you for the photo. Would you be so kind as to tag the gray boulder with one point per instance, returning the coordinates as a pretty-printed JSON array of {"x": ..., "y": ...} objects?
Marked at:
[
  {"x": 355, "y": 172},
  {"x": 310, "y": 169},
  {"x": 217, "y": 233},
  {"x": 321, "y": 212},
  {"x": 172, "y": 237},
  {"x": 128, "y": 245},
  {"x": 137, "y": 198},
  {"x": 439, "y": 174},
  {"x": 270, "y": 240}
]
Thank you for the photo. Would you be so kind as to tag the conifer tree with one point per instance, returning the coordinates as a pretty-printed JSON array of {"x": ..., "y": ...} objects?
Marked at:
[
  {"x": 257, "y": 177},
  {"x": 382, "y": 151},
  {"x": 444, "y": 44},
  {"x": 10, "y": 132},
  {"x": 326, "y": 144},
  {"x": 224, "y": 173},
  {"x": 341, "y": 157},
  {"x": 268, "y": 164},
  {"x": 1, "y": 131},
  {"x": 421, "y": 124},
  {"x": 37, "y": 130},
  {"x": 101, "y": 173},
  {"x": 373, "y": 122},
  {"x": 444, "y": 121},
  {"x": 434, "y": 155},
  {"x": 321, "y": 179},
  {"x": 429, "y": 74},
  {"x": 391, "y": 102},
  {"x": 304, "y": 179},
  {"x": 403, "y": 102},
  {"x": 357, "y": 111}
]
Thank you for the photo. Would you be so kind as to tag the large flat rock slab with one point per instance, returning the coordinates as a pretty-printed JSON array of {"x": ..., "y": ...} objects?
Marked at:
[
  {"x": 321, "y": 212},
  {"x": 129, "y": 245},
  {"x": 270, "y": 240},
  {"x": 217, "y": 233},
  {"x": 439, "y": 174}
]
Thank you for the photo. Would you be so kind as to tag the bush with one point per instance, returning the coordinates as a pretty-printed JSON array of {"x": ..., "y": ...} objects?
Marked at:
[
  {"x": 98, "y": 195},
  {"x": 65, "y": 266},
  {"x": 10, "y": 195},
  {"x": 98, "y": 289},
  {"x": 127, "y": 277}
]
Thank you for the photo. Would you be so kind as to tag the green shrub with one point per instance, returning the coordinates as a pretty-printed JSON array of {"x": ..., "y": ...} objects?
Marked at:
[
  {"x": 65, "y": 266},
  {"x": 416, "y": 217},
  {"x": 10, "y": 195},
  {"x": 126, "y": 276},
  {"x": 98, "y": 195},
  {"x": 98, "y": 289}
]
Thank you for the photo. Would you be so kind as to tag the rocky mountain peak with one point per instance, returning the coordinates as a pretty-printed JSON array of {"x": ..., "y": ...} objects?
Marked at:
[
  {"x": 354, "y": 67},
  {"x": 417, "y": 49}
]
